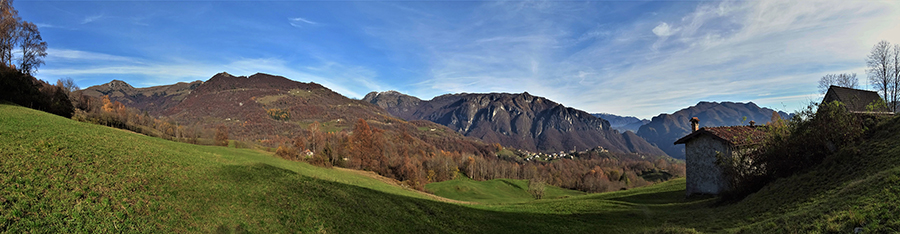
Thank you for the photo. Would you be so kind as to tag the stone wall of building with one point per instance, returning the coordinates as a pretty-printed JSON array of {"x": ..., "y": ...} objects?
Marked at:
[{"x": 704, "y": 176}]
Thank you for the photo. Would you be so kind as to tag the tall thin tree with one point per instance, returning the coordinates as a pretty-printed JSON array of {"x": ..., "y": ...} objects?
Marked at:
[
  {"x": 895, "y": 58},
  {"x": 34, "y": 49},
  {"x": 879, "y": 69},
  {"x": 9, "y": 28}
]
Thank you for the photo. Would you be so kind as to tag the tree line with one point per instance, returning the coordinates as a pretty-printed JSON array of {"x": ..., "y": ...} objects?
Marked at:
[
  {"x": 415, "y": 162},
  {"x": 103, "y": 111}
]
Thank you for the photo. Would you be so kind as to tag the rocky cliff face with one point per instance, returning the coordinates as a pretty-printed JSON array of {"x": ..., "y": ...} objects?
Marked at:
[
  {"x": 403, "y": 104},
  {"x": 664, "y": 129},
  {"x": 514, "y": 120}
]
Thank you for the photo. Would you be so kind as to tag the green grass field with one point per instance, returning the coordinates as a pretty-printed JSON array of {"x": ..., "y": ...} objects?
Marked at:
[
  {"x": 493, "y": 191},
  {"x": 62, "y": 176}
]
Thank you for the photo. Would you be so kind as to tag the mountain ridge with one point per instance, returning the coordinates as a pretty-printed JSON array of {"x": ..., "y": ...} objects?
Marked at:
[
  {"x": 664, "y": 129},
  {"x": 248, "y": 105},
  {"x": 154, "y": 100},
  {"x": 517, "y": 120}
]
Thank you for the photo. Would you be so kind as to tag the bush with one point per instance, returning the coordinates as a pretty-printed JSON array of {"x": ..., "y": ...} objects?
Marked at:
[
  {"x": 221, "y": 138},
  {"x": 536, "y": 188}
]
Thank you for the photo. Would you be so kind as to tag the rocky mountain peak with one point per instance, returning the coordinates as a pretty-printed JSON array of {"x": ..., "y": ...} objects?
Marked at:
[{"x": 118, "y": 85}]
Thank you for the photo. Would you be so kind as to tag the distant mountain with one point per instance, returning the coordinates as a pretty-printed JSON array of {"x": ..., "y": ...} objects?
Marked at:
[
  {"x": 267, "y": 109},
  {"x": 622, "y": 123},
  {"x": 154, "y": 100},
  {"x": 520, "y": 121},
  {"x": 664, "y": 129}
]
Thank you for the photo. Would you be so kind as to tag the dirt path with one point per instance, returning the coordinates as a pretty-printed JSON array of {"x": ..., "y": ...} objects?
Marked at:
[{"x": 394, "y": 182}]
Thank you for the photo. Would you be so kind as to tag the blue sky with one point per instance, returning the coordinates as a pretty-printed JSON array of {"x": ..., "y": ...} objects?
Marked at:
[{"x": 628, "y": 58}]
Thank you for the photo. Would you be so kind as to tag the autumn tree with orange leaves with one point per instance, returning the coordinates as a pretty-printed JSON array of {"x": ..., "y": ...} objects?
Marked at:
[{"x": 221, "y": 138}]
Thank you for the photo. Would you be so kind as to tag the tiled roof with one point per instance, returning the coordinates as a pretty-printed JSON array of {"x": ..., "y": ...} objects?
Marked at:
[
  {"x": 854, "y": 99},
  {"x": 734, "y": 135}
]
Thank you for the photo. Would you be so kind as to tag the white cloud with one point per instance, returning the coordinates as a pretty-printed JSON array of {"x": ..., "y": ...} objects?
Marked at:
[
  {"x": 720, "y": 51},
  {"x": 300, "y": 22},
  {"x": 663, "y": 30},
  {"x": 43, "y": 25},
  {"x": 90, "y": 19},
  {"x": 66, "y": 54}
]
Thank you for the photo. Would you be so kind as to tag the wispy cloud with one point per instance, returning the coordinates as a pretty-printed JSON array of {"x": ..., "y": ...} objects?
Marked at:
[
  {"x": 301, "y": 22},
  {"x": 66, "y": 54},
  {"x": 43, "y": 25},
  {"x": 90, "y": 19},
  {"x": 625, "y": 57},
  {"x": 718, "y": 51}
]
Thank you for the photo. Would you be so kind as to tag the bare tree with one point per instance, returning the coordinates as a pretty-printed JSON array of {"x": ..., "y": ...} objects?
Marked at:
[
  {"x": 9, "y": 27},
  {"x": 895, "y": 57},
  {"x": 880, "y": 68},
  {"x": 68, "y": 86},
  {"x": 844, "y": 80},
  {"x": 34, "y": 49}
]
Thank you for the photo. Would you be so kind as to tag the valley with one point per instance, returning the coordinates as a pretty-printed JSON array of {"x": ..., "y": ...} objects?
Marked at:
[
  {"x": 652, "y": 117},
  {"x": 68, "y": 176}
]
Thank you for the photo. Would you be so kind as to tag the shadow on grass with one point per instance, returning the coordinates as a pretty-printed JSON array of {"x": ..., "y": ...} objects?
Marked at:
[
  {"x": 511, "y": 184},
  {"x": 304, "y": 204},
  {"x": 254, "y": 172},
  {"x": 667, "y": 197}
]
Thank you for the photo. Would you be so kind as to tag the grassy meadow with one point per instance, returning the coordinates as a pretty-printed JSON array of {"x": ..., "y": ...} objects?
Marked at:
[
  {"x": 493, "y": 191},
  {"x": 63, "y": 176}
]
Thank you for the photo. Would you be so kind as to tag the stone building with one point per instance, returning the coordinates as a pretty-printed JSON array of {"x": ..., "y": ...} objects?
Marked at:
[{"x": 704, "y": 175}]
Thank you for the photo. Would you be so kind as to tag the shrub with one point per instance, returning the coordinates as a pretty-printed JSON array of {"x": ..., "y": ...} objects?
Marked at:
[
  {"x": 221, "y": 138},
  {"x": 279, "y": 114},
  {"x": 536, "y": 188},
  {"x": 287, "y": 152}
]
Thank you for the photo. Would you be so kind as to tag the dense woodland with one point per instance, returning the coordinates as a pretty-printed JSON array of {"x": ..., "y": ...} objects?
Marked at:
[{"x": 23, "y": 89}]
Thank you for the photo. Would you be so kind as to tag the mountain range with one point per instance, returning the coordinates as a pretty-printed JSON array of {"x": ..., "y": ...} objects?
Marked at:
[
  {"x": 520, "y": 121},
  {"x": 268, "y": 110},
  {"x": 664, "y": 129},
  {"x": 246, "y": 105}
]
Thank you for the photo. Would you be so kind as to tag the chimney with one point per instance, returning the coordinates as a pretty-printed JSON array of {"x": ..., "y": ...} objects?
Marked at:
[
  {"x": 695, "y": 124},
  {"x": 752, "y": 123}
]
